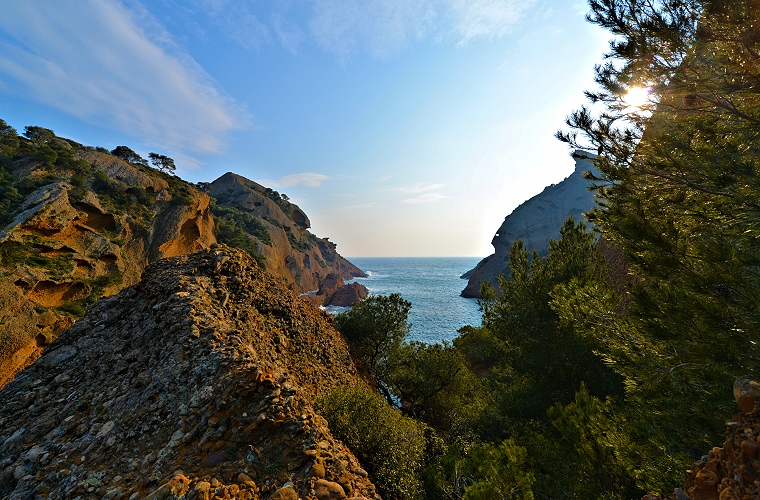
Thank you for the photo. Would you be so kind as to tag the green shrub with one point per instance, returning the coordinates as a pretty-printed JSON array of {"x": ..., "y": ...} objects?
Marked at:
[
  {"x": 436, "y": 386},
  {"x": 497, "y": 472},
  {"x": 30, "y": 184},
  {"x": 246, "y": 222},
  {"x": 10, "y": 198},
  {"x": 391, "y": 445},
  {"x": 375, "y": 329}
]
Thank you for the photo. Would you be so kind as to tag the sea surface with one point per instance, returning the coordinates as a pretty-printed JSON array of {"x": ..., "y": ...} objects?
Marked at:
[{"x": 432, "y": 285}]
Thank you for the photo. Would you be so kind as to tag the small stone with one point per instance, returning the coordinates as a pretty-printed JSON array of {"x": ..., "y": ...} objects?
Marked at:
[
  {"x": 749, "y": 449},
  {"x": 327, "y": 490},
  {"x": 286, "y": 493},
  {"x": 213, "y": 459},
  {"x": 318, "y": 469}
]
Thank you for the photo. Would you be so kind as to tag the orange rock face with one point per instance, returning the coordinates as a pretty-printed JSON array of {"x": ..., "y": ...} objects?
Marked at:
[{"x": 68, "y": 247}]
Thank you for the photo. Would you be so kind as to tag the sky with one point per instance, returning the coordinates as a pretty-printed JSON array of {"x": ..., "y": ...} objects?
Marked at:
[{"x": 401, "y": 127}]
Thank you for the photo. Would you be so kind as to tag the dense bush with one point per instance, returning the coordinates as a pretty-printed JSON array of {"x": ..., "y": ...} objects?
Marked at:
[{"x": 391, "y": 445}]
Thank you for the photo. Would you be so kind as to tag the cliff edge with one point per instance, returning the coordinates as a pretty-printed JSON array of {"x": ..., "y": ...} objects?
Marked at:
[
  {"x": 535, "y": 222},
  {"x": 78, "y": 223}
]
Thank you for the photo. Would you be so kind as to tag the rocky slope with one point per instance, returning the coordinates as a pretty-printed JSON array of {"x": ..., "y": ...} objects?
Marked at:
[
  {"x": 196, "y": 383},
  {"x": 289, "y": 250},
  {"x": 535, "y": 222}
]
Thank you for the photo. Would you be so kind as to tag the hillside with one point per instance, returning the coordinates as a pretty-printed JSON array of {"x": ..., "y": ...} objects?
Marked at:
[
  {"x": 78, "y": 223},
  {"x": 287, "y": 248},
  {"x": 535, "y": 222},
  {"x": 197, "y": 382}
]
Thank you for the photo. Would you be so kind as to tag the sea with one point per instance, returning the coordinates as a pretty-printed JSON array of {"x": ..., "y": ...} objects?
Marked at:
[{"x": 432, "y": 285}]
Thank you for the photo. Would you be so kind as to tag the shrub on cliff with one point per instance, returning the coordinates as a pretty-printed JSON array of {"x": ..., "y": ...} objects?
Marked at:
[{"x": 391, "y": 445}]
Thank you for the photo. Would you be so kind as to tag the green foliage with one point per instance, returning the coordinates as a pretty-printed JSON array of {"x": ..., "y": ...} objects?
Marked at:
[
  {"x": 240, "y": 229},
  {"x": 304, "y": 244},
  {"x": 162, "y": 163},
  {"x": 120, "y": 198},
  {"x": 392, "y": 446},
  {"x": 281, "y": 200},
  {"x": 38, "y": 135},
  {"x": 102, "y": 184},
  {"x": 45, "y": 155},
  {"x": 681, "y": 188},
  {"x": 127, "y": 154},
  {"x": 247, "y": 222},
  {"x": 58, "y": 267},
  {"x": 375, "y": 329},
  {"x": 594, "y": 442},
  {"x": 9, "y": 142},
  {"x": 497, "y": 472},
  {"x": 10, "y": 198},
  {"x": 541, "y": 360},
  {"x": 29, "y": 184},
  {"x": 435, "y": 386}
]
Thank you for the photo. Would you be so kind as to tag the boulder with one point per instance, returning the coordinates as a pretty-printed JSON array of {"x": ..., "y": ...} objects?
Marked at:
[{"x": 348, "y": 295}]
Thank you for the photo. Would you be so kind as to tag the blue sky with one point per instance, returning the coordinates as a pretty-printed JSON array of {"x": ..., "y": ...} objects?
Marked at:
[{"x": 401, "y": 127}]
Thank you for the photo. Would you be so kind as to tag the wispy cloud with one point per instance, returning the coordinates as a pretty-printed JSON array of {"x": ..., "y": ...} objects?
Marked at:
[
  {"x": 308, "y": 179},
  {"x": 427, "y": 193},
  {"x": 424, "y": 198},
  {"x": 100, "y": 62},
  {"x": 238, "y": 23},
  {"x": 362, "y": 206},
  {"x": 379, "y": 28},
  {"x": 486, "y": 18},
  {"x": 421, "y": 188}
]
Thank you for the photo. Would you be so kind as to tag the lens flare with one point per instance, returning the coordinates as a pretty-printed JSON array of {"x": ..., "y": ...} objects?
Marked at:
[{"x": 637, "y": 96}]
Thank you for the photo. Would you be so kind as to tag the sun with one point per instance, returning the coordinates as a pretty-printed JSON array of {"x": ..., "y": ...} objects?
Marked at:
[{"x": 637, "y": 96}]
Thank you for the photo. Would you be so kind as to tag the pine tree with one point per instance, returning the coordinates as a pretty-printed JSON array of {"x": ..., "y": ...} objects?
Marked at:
[
  {"x": 542, "y": 361},
  {"x": 680, "y": 187}
]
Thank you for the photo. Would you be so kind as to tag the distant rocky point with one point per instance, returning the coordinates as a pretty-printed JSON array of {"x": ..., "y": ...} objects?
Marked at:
[
  {"x": 535, "y": 222},
  {"x": 334, "y": 292}
]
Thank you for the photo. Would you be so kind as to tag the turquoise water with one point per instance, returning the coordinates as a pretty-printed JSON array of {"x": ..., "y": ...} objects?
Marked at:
[{"x": 432, "y": 285}]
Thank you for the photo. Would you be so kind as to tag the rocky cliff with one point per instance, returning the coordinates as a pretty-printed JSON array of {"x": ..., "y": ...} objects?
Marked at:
[
  {"x": 535, "y": 222},
  {"x": 196, "y": 383},
  {"x": 79, "y": 235},
  {"x": 78, "y": 223},
  {"x": 288, "y": 249}
]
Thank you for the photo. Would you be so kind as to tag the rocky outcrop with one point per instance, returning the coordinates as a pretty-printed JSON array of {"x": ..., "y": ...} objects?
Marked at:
[
  {"x": 348, "y": 295},
  {"x": 292, "y": 252},
  {"x": 733, "y": 470},
  {"x": 196, "y": 383},
  {"x": 535, "y": 222},
  {"x": 76, "y": 239},
  {"x": 333, "y": 291}
]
